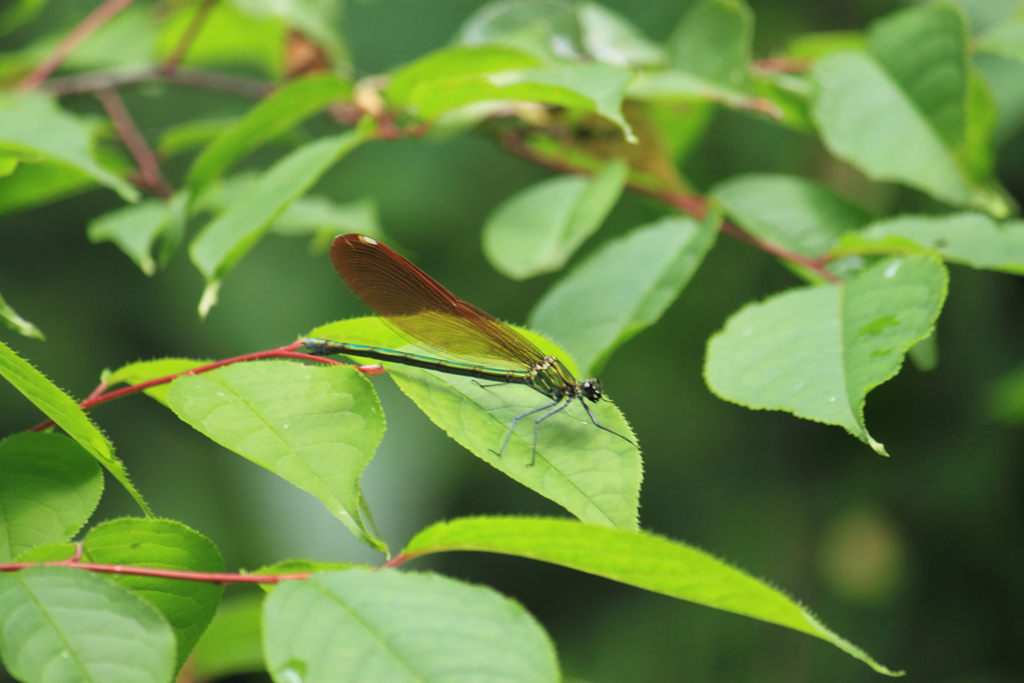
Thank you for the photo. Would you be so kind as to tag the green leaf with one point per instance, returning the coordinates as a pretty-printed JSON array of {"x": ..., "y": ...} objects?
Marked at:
[
  {"x": 401, "y": 628},
  {"x": 591, "y": 473},
  {"x": 63, "y": 410},
  {"x": 1005, "y": 39},
  {"x": 636, "y": 558},
  {"x": 17, "y": 323},
  {"x": 188, "y": 606},
  {"x": 126, "y": 41},
  {"x": 714, "y": 41},
  {"x": 547, "y": 28},
  {"x": 817, "y": 351},
  {"x": 231, "y": 645},
  {"x": 146, "y": 370},
  {"x": 277, "y": 114},
  {"x": 19, "y": 13},
  {"x": 674, "y": 85},
  {"x": 133, "y": 229},
  {"x": 49, "y": 487},
  {"x": 316, "y": 427},
  {"x": 609, "y": 37},
  {"x": 455, "y": 62},
  {"x": 34, "y": 124},
  {"x": 537, "y": 230},
  {"x": 818, "y": 44},
  {"x": 623, "y": 288},
  {"x": 899, "y": 115},
  {"x": 972, "y": 239},
  {"x": 8, "y": 163},
  {"x": 316, "y": 19},
  {"x": 64, "y": 624},
  {"x": 227, "y": 238},
  {"x": 228, "y": 38},
  {"x": 792, "y": 212},
  {"x": 35, "y": 184},
  {"x": 323, "y": 219}
]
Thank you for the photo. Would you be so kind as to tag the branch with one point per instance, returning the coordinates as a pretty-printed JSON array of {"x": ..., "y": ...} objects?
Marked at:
[
  {"x": 211, "y": 80},
  {"x": 101, "y": 15},
  {"x": 149, "y": 167},
  {"x": 693, "y": 205},
  {"x": 97, "y": 396},
  {"x": 188, "y": 37}
]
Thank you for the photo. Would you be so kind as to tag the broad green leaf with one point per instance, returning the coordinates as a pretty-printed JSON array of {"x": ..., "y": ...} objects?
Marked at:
[
  {"x": 280, "y": 112},
  {"x": 17, "y": 323},
  {"x": 231, "y": 645},
  {"x": 792, "y": 212},
  {"x": 537, "y": 230},
  {"x": 817, "y": 351},
  {"x": 675, "y": 85},
  {"x": 61, "y": 624},
  {"x": 51, "y": 552},
  {"x": 323, "y": 219},
  {"x": 623, "y": 288},
  {"x": 133, "y": 229},
  {"x": 636, "y": 558},
  {"x": 714, "y": 41},
  {"x": 591, "y": 473},
  {"x": 899, "y": 115},
  {"x": 34, "y": 124},
  {"x": 8, "y": 163},
  {"x": 63, "y": 410},
  {"x": 972, "y": 239},
  {"x": 19, "y": 13},
  {"x": 317, "y": 19},
  {"x": 49, "y": 487},
  {"x": 547, "y": 28},
  {"x": 1006, "y": 398},
  {"x": 401, "y": 628},
  {"x": 316, "y": 427},
  {"x": 126, "y": 41},
  {"x": 1005, "y": 39},
  {"x": 597, "y": 88},
  {"x": 188, "y": 606},
  {"x": 455, "y": 62},
  {"x": 608, "y": 37},
  {"x": 976, "y": 152},
  {"x": 229, "y": 38},
  {"x": 146, "y": 370},
  {"x": 35, "y": 184},
  {"x": 227, "y": 238}
]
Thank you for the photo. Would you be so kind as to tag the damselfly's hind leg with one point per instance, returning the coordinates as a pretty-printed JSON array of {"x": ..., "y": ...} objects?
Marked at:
[
  {"x": 601, "y": 426},
  {"x": 536, "y": 426},
  {"x": 512, "y": 426}
]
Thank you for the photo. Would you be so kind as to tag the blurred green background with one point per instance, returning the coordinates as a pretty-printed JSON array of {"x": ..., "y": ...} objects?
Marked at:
[{"x": 918, "y": 558}]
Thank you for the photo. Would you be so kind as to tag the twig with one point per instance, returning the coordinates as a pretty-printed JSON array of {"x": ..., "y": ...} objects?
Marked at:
[
  {"x": 97, "y": 397},
  {"x": 149, "y": 167},
  {"x": 101, "y": 15},
  {"x": 786, "y": 65},
  {"x": 188, "y": 37},
  {"x": 692, "y": 205},
  {"x": 199, "y": 78}
]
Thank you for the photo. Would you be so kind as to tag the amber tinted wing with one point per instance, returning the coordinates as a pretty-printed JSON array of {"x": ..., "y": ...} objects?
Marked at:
[{"x": 423, "y": 311}]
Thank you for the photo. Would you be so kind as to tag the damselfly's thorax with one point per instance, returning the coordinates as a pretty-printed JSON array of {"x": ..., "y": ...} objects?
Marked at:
[{"x": 554, "y": 380}]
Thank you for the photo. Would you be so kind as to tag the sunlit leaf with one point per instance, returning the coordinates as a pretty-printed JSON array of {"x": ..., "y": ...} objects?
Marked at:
[{"x": 134, "y": 229}]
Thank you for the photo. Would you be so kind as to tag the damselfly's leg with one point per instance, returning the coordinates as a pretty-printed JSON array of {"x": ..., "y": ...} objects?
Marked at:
[
  {"x": 512, "y": 425},
  {"x": 536, "y": 426},
  {"x": 488, "y": 386},
  {"x": 601, "y": 426}
]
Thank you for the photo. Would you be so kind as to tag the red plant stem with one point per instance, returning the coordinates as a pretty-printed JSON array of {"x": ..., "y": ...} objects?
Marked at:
[
  {"x": 149, "y": 167},
  {"x": 101, "y": 15},
  {"x": 207, "y": 577},
  {"x": 188, "y": 37},
  {"x": 689, "y": 204},
  {"x": 97, "y": 397}
]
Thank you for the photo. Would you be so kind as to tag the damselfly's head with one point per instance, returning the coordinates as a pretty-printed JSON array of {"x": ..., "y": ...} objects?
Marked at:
[{"x": 591, "y": 389}]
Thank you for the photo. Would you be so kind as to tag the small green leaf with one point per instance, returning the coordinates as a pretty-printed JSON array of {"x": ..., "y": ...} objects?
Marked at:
[
  {"x": 36, "y": 184},
  {"x": 188, "y": 606},
  {"x": 674, "y": 85},
  {"x": 316, "y": 427},
  {"x": 609, "y": 37},
  {"x": 1005, "y": 39},
  {"x": 49, "y": 487},
  {"x": 64, "y": 624},
  {"x": 591, "y": 473},
  {"x": 323, "y": 219},
  {"x": 133, "y": 229},
  {"x": 789, "y": 211},
  {"x": 636, "y": 558},
  {"x": 227, "y": 238},
  {"x": 401, "y": 628},
  {"x": 286, "y": 108},
  {"x": 714, "y": 41},
  {"x": 972, "y": 239},
  {"x": 547, "y": 28},
  {"x": 318, "y": 20},
  {"x": 817, "y": 351},
  {"x": 231, "y": 645},
  {"x": 623, "y": 288},
  {"x": 8, "y": 163},
  {"x": 17, "y": 323},
  {"x": 63, "y": 410},
  {"x": 455, "y": 62},
  {"x": 146, "y": 370},
  {"x": 537, "y": 230},
  {"x": 33, "y": 123}
]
